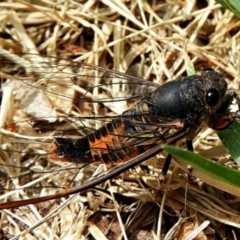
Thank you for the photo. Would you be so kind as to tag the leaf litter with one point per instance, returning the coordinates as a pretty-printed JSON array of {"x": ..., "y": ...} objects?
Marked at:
[{"x": 149, "y": 39}]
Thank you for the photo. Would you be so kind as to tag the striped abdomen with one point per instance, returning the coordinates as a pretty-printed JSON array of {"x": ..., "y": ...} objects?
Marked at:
[{"x": 116, "y": 142}]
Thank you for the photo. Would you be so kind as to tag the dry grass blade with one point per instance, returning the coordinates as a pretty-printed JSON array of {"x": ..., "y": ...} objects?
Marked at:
[{"x": 43, "y": 43}]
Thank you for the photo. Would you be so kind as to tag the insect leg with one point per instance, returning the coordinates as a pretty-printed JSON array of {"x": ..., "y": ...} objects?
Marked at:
[
  {"x": 165, "y": 167},
  {"x": 189, "y": 145},
  {"x": 225, "y": 117},
  {"x": 169, "y": 158},
  {"x": 228, "y": 98}
]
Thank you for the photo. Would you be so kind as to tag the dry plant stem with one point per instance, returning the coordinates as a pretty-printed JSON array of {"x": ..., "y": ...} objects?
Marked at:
[{"x": 145, "y": 39}]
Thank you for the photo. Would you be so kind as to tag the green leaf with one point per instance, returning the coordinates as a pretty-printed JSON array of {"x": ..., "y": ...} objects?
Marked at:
[
  {"x": 232, "y": 5},
  {"x": 213, "y": 173},
  {"x": 231, "y": 140}
]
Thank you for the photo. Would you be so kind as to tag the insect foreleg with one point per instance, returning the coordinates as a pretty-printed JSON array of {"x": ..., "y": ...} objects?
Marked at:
[{"x": 225, "y": 117}]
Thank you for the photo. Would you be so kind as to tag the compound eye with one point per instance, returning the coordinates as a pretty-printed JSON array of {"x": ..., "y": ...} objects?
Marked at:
[{"x": 212, "y": 97}]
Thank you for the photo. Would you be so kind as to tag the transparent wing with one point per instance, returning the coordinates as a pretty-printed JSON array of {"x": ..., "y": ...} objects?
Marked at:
[{"x": 48, "y": 97}]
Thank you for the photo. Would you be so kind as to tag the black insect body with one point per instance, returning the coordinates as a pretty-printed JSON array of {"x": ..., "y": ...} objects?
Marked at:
[{"x": 186, "y": 104}]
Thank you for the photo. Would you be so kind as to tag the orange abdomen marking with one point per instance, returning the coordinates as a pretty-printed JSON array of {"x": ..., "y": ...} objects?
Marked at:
[{"x": 110, "y": 145}]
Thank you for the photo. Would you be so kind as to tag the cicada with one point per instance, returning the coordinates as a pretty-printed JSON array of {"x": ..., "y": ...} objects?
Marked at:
[{"x": 171, "y": 112}]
